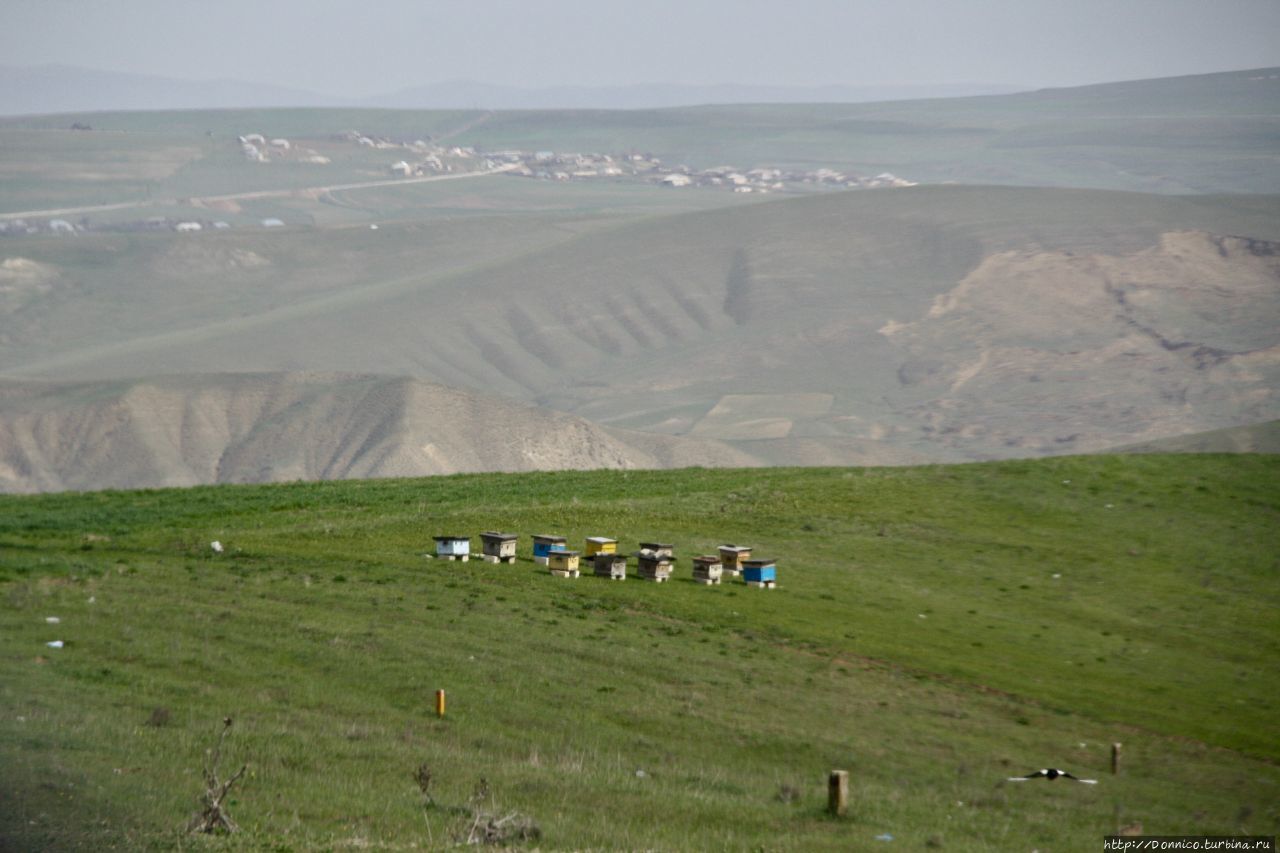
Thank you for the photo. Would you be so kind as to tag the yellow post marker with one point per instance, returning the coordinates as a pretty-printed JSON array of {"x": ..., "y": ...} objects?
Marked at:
[{"x": 440, "y": 703}]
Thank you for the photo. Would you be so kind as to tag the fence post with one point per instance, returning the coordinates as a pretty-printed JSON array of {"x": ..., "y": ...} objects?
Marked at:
[
  {"x": 1115, "y": 758},
  {"x": 838, "y": 792}
]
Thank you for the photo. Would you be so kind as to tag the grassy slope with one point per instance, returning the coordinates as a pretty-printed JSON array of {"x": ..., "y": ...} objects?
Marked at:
[{"x": 936, "y": 629}]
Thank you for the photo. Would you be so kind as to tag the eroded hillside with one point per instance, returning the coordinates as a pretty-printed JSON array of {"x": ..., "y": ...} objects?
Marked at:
[
  {"x": 181, "y": 431},
  {"x": 1046, "y": 351}
]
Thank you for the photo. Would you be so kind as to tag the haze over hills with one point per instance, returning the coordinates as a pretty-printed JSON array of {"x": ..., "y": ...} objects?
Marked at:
[{"x": 49, "y": 89}]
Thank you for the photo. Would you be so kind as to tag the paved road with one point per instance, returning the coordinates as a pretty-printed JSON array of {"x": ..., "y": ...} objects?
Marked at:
[{"x": 203, "y": 200}]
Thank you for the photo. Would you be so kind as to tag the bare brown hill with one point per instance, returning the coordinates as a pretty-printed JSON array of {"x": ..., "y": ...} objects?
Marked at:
[
  {"x": 189, "y": 430},
  {"x": 1255, "y": 438},
  {"x": 1053, "y": 351}
]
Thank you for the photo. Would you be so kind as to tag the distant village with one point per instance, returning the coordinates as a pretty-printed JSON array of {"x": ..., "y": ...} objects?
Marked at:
[
  {"x": 424, "y": 159},
  {"x": 427, "y": 159}
]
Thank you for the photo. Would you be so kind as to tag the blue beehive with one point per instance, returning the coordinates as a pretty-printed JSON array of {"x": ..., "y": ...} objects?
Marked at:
[
  {"x": 761, "y": 573},
  {"x": 543, "y": 545}
]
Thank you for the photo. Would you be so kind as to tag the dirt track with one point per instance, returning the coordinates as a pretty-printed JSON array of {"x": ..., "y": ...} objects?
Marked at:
[{"x": 214, "y": 199}]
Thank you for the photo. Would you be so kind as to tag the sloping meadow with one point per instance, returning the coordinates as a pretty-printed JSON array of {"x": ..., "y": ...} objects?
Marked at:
[{"x": 934, "y": 630}]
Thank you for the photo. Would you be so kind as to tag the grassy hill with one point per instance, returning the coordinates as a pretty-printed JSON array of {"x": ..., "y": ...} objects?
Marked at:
[{"x": 935, "y": 630}]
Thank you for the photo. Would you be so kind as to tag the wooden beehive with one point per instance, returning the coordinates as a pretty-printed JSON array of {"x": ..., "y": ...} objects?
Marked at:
[
  {"x": 707, "y": 569},
  {"x": 563, "y": 563},
  {"x": 453, "y": 548},
  {"x": 760, "y": 573},
  {"x": 498, "y": 547},
  {"x": 612, "y": 566},
  {"x": 543, "y": 545},
  {"x": 731, "y": 557},
  {"x": 600, "y": 545},
  {"x": 659, "y": 548},
  {"x": 652, "y": 566}
]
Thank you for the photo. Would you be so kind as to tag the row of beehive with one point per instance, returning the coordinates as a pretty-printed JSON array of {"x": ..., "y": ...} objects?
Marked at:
[{"x": 653, "y": 561}]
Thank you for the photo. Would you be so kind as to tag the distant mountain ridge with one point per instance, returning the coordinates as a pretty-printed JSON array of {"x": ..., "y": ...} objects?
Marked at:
[
  {"x": 50, "y": 89},
  {"x": 469, "y": 94}
]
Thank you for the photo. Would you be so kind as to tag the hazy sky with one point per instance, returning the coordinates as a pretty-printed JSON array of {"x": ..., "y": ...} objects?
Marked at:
[{"x": 363, "y": 48}]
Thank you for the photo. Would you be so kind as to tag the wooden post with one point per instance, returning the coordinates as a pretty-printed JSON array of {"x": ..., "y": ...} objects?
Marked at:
[
  {"x": 1115, "y": 758},
  {"x": 440, "y": 703},
  {"x": 838, "y": 792}
]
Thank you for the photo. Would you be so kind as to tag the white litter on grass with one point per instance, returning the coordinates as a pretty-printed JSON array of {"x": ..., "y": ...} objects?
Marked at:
[
  {"x": 884, "y": 836},
  {"x": 921, "y": 616},
  {"x": 1066, "y": 482},
  {"x": 93, "y": 599},
  {"x": 52, "y": 620},
  {"x": 54, "y": 644},
  {"x": 640, "y": 774},
  {"x": 216, "y": 546},
  {"x": 1110, "y": 506},
  {"x": 373, "y": 227},
  {"x": 1057, "y": 575}
]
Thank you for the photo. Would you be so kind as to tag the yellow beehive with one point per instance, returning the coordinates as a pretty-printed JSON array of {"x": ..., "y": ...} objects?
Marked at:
[
  {"x": 732, "y": 557},
  {"x": 563, "y": 563},
  {"x": 601, "y": 545}
]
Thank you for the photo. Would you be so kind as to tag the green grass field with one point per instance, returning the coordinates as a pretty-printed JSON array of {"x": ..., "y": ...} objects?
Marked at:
[{"x": 935, "y": 629}]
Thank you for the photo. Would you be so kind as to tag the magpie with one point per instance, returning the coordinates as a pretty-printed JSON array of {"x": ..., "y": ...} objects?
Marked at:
[{"x": 1051, "y": 773}]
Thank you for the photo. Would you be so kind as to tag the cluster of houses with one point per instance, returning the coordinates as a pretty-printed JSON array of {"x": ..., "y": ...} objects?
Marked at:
[
  {"x": 259, "y": 149},
  {"x": 20, "y": 227},
  {"x": 654, "y": 560},
  {"x": 424, "y": 158}
]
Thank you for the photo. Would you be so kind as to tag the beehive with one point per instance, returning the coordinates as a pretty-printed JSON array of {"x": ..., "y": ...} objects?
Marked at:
[
  {"x": 731, "y": 557},
  {"x": 600, "y": 545},
  {"x": 760, "y": 573},
  {"x": 498, "y": 547},
  {"x": 543, "y": 545},
  {"x": 652, "y": 566},
  {"x": 563, "y": 563},
  {"x": 707, "y": 569},
  {"x": 612, "y": 566},
  {"x": 662, "y": 549},
  {"x": 453, "y": 548}
]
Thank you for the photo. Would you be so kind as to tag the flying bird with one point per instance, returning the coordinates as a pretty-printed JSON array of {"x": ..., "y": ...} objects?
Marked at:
[{"x": 1052, "y": 773}]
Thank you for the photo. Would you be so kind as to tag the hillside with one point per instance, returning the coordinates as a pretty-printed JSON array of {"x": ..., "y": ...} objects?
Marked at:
[
  {"x": 1255, "y": 438},
  {"x": 258, "y": 428},
  {"x": 935, "y": 630},
  {"x": 944, "y": 322}
]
